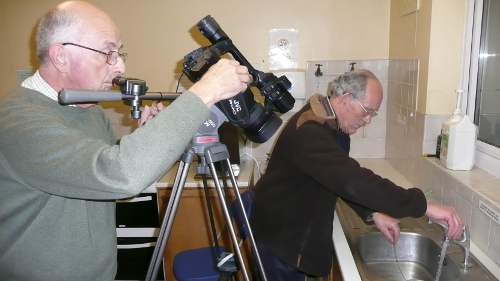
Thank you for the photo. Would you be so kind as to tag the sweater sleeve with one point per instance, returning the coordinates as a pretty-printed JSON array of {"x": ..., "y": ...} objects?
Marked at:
[
  {"x": 48, "y": 152},
  {"x": 317, "y": 152}
]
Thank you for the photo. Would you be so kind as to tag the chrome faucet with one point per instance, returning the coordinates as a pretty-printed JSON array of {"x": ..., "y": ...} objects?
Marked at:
[{"x": 463, "y": 242}]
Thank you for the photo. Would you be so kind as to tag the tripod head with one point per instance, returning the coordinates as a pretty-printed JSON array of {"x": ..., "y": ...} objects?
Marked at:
[
  {"x": 132, "y": 92},
  {"x": 135, "y": 88}
]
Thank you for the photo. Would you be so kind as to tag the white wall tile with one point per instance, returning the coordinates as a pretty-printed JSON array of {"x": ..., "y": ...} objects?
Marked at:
[
  {"x": 358, "y": 148},
  {"x": 426, "y": 177},
  {"x": 464, "y": 191},
  {"x": 437, "y": 185},
  {"x": 480, "y": 229},
  {"x": 464, "y": 209},
  {"x": 416, "y": 176},
  {"x": 374, "y": 149},
  {"x": 382, "y": 111},
  {"x": 433, "y": 125},
  {"x": 375, "y": 130},
  {"x": 449, "y": 196},
  {"x": 408, "y": 168},
  {"x": 494, "y": 243}
]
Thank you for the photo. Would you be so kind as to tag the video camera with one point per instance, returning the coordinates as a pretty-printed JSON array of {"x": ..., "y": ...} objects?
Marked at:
[{"x": 259, "y": 123}]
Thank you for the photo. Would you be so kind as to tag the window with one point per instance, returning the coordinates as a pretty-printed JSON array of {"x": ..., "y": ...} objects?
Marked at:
[{"x": 483, "y": 62}]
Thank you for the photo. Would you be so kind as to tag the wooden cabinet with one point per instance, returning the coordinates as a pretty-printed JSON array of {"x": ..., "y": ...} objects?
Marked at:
[{"x": 191, "y": 227}]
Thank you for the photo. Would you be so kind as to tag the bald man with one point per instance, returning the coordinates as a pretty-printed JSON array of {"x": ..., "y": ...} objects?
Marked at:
[{"x": 60, "y": 167}]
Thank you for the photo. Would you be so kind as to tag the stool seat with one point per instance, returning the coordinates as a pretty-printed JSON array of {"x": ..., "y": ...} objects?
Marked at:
[{"x": 195, "y": 264}]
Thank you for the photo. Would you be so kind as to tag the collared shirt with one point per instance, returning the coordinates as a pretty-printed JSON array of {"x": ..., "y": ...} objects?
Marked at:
[{"x": 37, "y": 83}]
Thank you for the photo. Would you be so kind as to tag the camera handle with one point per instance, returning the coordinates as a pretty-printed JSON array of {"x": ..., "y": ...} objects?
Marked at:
[{"x": 217, "y": 152}]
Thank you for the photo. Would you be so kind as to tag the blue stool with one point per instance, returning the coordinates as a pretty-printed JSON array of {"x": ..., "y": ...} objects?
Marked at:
[{"x": 201, "y": 264}]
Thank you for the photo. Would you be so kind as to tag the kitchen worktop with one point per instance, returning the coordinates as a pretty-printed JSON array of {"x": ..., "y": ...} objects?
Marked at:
[
  {"x": 244, "y": 178},
  {"x": 343, "y": 252}
]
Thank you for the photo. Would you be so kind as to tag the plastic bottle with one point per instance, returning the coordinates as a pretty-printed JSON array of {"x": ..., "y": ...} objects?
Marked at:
[{"x": 458, "y": 142}]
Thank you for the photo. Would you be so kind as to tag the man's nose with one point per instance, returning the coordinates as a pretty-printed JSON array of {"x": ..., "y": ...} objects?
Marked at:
[
  {"x": 367, "y": 119},
  {"x": 120, "y": 66}
]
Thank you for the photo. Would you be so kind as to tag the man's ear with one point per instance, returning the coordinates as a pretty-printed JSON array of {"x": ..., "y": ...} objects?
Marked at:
[
  {"x": 59, "y": 57},
  {"x": 344, "y": 99}
]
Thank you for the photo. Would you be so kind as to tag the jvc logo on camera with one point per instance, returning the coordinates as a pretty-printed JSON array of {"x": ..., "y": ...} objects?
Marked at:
[
  {"x": 210, "y": 123},
  {"x": 235, "y": 106}
]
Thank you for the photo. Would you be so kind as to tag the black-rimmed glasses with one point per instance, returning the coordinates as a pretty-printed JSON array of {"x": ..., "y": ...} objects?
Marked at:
[
  {"x": 111, "y": 56},
  {"x": 370, "y": 112}
]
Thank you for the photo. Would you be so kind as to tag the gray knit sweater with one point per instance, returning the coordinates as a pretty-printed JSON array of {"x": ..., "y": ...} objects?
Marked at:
[{"x": 60, "y": 172}]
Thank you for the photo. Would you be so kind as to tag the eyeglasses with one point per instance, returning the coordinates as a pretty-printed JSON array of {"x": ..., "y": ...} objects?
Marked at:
[
  {"x": 111, "y": 56},
  {"x": 370, "y": 112}
]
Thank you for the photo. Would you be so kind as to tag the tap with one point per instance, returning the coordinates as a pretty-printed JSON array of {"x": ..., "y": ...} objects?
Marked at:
[
  {"x": 318, "y": 72},
  {"x": 463, "y": 242}
]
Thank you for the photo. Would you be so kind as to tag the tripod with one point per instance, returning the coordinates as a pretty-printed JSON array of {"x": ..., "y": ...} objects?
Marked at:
[{"x": 210, "y": 152}]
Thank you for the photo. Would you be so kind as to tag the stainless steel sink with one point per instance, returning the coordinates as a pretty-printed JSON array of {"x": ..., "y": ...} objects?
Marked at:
[
  {"x": 414, "y": 257},
  {"x": 417, "y": 251}
]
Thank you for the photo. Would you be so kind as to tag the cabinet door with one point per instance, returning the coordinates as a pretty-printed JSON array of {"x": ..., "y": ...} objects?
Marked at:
[
  {"x": 140, "y": 211},
  {"x": 134, "y": 256},
  {"x": 191, "y": 228}
]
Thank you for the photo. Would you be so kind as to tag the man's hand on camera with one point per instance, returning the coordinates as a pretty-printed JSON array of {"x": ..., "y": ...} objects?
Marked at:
[
  {"x": 223, "y": 80},
  {"x": 149, "y": 112}
]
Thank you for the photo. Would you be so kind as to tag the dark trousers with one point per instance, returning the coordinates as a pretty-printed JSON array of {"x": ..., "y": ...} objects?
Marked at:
[{"x": 276, "y": 269}]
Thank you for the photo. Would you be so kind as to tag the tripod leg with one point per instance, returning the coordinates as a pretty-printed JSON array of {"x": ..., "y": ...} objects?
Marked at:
[
  {"x": 211, "y": 216},
  {"x": 250, "y": 233},
  {"x": 228, "y": 219},
  {"x": 168, "y": 220}
]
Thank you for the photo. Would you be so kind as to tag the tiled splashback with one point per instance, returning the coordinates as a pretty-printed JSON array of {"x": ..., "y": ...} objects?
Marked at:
[{"x": 368, "y": 141}]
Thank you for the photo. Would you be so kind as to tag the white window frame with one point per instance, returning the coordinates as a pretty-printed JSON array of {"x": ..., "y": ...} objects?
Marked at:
[{"x": 487, "y": 156}]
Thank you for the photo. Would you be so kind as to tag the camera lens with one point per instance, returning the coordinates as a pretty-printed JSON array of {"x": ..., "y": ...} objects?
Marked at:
[
  {"x": 211, "y": 29},
  {"x": 262, "y": 124},
  {"x": 258, "y": 123}
]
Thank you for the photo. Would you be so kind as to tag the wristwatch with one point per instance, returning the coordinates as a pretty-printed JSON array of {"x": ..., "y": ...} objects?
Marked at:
[{"x": 370, "y": 217}]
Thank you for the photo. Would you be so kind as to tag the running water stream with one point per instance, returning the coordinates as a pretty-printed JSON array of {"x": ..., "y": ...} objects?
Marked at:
[{"x": 446, "y": 242}]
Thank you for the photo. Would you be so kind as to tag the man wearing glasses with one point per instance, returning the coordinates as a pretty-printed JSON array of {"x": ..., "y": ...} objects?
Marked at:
[
  {"x": 60, "y": 167},
  {"x": 310, "y": 169}
]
